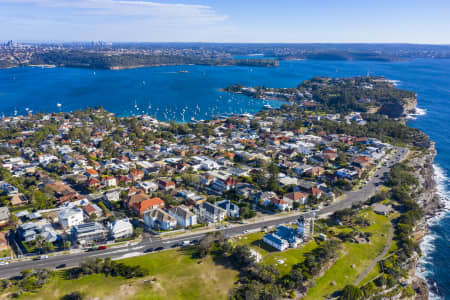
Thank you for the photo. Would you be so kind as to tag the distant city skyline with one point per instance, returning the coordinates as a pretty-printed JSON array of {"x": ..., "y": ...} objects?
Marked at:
[{"x": 264, "y": 21}]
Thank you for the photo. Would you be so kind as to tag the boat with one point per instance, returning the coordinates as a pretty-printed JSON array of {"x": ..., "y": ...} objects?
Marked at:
[
  {"x": 183, "y": 71},
  {"x": 267, "y": 106}
]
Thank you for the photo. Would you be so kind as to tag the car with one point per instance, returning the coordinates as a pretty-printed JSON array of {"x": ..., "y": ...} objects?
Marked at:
[
  {"x": 148, "y": 250},
  {"x": 174, "y": 245},
  {"x": 101, "y": 248},
  {"x": 42, "y": 257},
  {"x": 185, "y": 243},
  {"x": 2, "y": 263},
  {"x": 61, "y": 266},
  {"x": 159, "y": 249},
  {"x": 194, "y": 242}
]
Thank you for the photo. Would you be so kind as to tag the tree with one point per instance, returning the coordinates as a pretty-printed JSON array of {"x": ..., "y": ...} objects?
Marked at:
[
  {"x": 48, "y": 247},
  {"x": 73, "y": 296},
  {"x": 67, "y": 245},
  {"x": 351, "y": 292}
]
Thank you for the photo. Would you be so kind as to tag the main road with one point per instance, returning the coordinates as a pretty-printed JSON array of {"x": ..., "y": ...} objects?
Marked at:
[{"x": 157, "y": 244}]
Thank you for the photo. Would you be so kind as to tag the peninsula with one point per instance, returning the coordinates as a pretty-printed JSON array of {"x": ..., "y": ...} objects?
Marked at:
[{"x": 322, "y": 197}]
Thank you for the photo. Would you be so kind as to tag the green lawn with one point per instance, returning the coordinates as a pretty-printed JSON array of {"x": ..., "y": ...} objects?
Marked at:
[
  {"x": 271, "y": 256},
  {"x": 178, "y": 276},
  {"x": 255, "y": 241},
  {"x": 361, "y": 255},
  {"x": 371, "y": 275},
  {"x": 289, "y": 257}
]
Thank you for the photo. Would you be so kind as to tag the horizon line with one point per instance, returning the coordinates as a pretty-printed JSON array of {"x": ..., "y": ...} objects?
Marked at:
[{"x": 254, "y": 43}]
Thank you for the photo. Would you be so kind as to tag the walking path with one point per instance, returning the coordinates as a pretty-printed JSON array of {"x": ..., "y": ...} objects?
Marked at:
[{"x": 379, "y": 257}]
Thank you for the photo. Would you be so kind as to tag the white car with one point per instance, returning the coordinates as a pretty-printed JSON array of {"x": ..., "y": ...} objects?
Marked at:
[{"x": 2, "y": 263}]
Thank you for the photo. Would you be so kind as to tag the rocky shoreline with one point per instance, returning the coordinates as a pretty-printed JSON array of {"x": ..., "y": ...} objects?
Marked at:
[{"x": 425, "y": 195}]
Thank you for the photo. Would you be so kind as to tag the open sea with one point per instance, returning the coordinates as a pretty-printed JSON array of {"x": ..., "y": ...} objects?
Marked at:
[{"x": 167, "y": 93}]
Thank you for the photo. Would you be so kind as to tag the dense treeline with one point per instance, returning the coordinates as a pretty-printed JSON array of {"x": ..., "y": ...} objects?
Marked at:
[
  {"x": 99, "y": 60},
  {"x": 378, "y": 127},
  {"x": 106, "y": 266},
  {"x": 353, "y": 94}
]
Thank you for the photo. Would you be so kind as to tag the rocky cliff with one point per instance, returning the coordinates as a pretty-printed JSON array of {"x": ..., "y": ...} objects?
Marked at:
[
  {"x": 425, "y": 195},
  {"x": 396, "y": 109}
]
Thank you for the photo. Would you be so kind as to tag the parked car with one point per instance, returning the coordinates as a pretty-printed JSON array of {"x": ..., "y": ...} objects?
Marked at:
[{"x": 61, "y": 266}]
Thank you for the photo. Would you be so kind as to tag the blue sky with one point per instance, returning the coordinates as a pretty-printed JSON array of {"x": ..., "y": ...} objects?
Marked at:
[{"x": 290, "y": 21}]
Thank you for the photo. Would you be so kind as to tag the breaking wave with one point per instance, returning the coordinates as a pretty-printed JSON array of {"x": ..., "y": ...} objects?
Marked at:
[
  {"x": 419, "y": 112},
  {"x": 425, "y": 266}
]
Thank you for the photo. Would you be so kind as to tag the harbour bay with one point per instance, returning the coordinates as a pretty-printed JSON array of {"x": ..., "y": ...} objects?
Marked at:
[{"x": 168, "y": 93}]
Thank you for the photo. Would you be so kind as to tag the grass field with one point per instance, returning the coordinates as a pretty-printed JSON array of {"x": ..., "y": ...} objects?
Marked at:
[
  {"x": 361, "y": 255},
  {"x": 255, "y": 241},
  {"x": 176, "y": 274},
  {"x": 289, "y": 257}
]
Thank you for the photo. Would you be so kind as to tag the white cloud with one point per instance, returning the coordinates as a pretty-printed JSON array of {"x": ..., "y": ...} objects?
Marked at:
[{"x": 161, "y": 12}]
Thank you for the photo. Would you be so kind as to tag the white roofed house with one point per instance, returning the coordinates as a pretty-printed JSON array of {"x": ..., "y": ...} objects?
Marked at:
[
  {"x": 120, "y": 228},
  {"x": 70, "y": 217},
  {"x": 159, "y": 219},
  {"x": 209, "y": 212},
  {"x": 185, "y": 218},
  {"x": 112, "y": 195},
  {"x": 148, "y": 186}
]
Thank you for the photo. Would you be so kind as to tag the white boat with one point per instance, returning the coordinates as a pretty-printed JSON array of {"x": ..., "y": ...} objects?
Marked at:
[{"x": 267, "y": 106}]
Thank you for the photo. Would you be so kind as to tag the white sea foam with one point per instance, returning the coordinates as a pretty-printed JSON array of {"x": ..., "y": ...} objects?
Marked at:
[
  {"x": 419, "y": 112},
  {"x": 428, "y": 244},
  {"x": 394, "y": 82}
]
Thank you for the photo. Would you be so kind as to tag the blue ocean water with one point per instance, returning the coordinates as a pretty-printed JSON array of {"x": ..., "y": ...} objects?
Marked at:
[{"x": 169, "y": 94}]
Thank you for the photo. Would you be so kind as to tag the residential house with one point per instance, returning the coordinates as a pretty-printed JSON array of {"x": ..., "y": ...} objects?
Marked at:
[
  {"x": 70, "y": 217},
  {"x": 89, "y": 233},
  {"x": 91, "y": 173},
  {"x": 296, "y": 197},
  {"x": 120, "y": 228},
  {"x": 283, "y": 238},
  {"x": 148, "y": 186},
  {"x": 8, "y": 189},
  {"x": 18, "y": 200},
  {"x": 166, "y": 185},
  {"x": 279, "y": 203},
  {"x": 109, "y": 181},
  {"x": 148, "y": 204},
  {"x": 210, "y": 213},
  {"x": 185, "y": 218},
  {"x": 232, "y": 210},
  {"x": 137, "y": 175},
  {"x": 112, "y": 195},
  {"x": 159, "y": 219}
]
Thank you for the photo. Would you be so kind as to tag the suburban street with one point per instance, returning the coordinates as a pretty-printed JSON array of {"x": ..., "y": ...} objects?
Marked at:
[{"x": 150, "y": 244}]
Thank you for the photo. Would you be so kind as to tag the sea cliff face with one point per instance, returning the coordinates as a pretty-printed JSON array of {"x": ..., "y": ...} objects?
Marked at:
[
  {"x": 425, "y": 195},
  {"x": 399, "y": 110}
]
